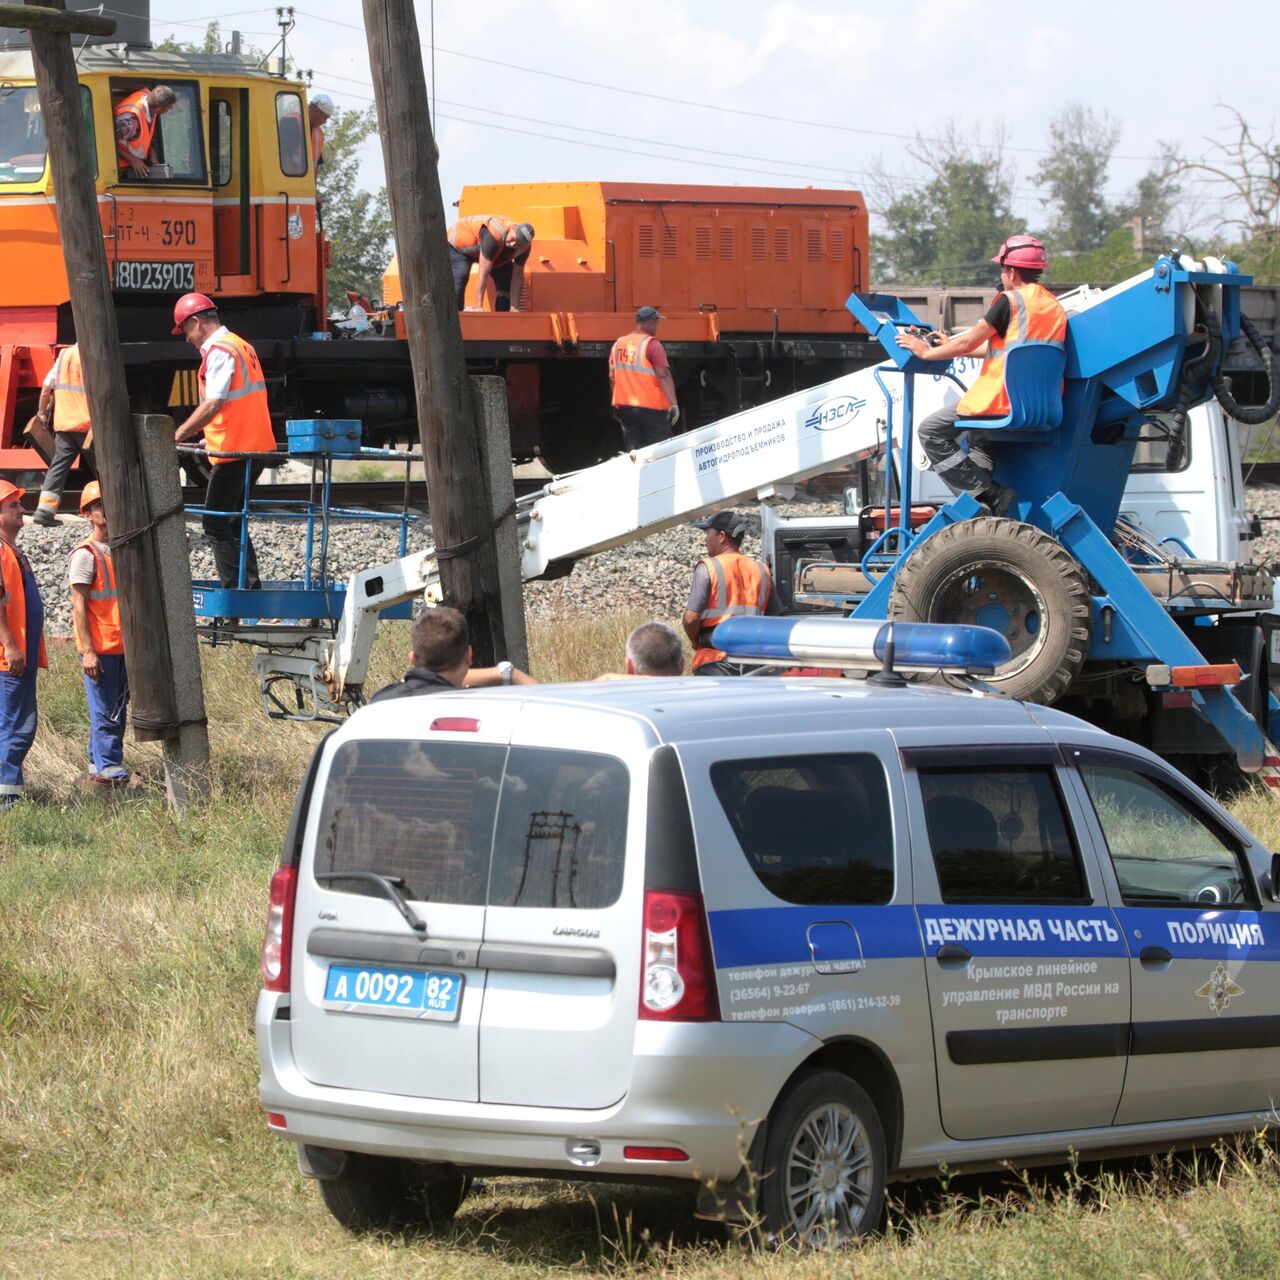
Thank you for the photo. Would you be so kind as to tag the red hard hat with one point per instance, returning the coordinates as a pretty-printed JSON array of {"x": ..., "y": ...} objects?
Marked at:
[
  {"x": 1022, "y": 251},
  {"x": 190, "y": 304},
  {"x": 92, "y": 492}
]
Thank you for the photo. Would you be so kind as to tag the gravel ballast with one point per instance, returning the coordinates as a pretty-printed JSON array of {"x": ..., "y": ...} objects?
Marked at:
[{"x": 650, "y": 576}]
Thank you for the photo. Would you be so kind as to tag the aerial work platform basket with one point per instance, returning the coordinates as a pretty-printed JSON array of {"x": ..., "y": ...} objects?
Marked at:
[{"x": 282, "y": 606}]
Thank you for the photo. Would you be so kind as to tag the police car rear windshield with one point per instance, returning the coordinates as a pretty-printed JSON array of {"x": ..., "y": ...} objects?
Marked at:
[{"x": 477, "y": 824}]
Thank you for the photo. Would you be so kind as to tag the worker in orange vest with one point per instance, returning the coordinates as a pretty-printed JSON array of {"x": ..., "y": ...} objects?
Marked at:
[
  {"x": 644, "y": 392},
  {"x": 22, "y": 650},
  {"x": 136, "y": 118},
  {"x": 319, "y": 109},
  {"x": 234, "y": 418},
  {"x": 95, "y": 619},
  {"x": 499, "y": 247},
  {"x": 726, "y": 584},
  {"x": 63, "y": 397},
  {"x": 1024, "y": 311}
]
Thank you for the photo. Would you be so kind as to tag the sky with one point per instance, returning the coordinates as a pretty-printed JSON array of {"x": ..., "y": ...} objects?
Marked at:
[{"x": 784, "y": 92}]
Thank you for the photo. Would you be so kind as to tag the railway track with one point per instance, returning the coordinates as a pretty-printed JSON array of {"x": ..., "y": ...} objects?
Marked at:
[
  {"x": 1262, "y": 473},
  {"x": 375, "y": 494}
]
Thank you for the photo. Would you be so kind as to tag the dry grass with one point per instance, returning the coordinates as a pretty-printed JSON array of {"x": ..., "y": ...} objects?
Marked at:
[{"x": 132, "y": 1142}]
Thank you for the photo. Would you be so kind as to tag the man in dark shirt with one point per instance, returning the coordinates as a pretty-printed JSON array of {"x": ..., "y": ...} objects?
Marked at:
[
  {"x": 1022, "y": 259},
  {"x": 441, "y": 657}
]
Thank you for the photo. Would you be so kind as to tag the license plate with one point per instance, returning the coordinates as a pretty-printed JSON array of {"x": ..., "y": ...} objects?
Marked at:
[
  {"x": 156, "y": 277},
  {"x": 404, "y": 993}
]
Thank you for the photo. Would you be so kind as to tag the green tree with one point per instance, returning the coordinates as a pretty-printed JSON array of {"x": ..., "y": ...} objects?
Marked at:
[
  {"x": 212, "y": 42},
  {"x": 945, "y": 232},
  {"x": 1081, "y": 144},
  {"x": 357, "y": 221}
]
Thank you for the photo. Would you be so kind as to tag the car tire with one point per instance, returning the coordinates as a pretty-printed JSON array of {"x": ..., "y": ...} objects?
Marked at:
[
  {"x": 823, "y": 1166},
  {"x": 1014, "y": 578},
  {"x": 381, "y": 1193}
]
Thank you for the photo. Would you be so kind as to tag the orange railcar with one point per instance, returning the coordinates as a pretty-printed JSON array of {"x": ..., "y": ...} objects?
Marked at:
[{"x": 752, "y": 282}]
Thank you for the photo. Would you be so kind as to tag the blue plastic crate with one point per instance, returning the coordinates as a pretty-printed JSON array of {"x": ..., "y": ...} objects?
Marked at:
[{"x": 324, "y": 435}]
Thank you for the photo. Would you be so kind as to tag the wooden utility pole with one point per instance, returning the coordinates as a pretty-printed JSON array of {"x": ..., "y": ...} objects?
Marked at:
[
  {"x": 136, "y": 530},
  {"x": 456, "y": 491}
]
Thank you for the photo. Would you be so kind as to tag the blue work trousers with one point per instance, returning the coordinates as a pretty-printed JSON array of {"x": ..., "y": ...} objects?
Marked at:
[
  {"x": 108, "y": 698},
  {"x": 18, "y": 699}
]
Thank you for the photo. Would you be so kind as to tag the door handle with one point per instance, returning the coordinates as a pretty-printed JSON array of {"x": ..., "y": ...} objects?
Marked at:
[
  {"x": 951, "y": 952},
  {"x": 1154, "y": 956}
]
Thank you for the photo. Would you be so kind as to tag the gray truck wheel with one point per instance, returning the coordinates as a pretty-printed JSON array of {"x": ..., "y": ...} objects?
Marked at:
[
  {"x": 1011, "y": 577},
  {"x": 381, "y": 1193},
  {"x": 823, "y": 1168}
]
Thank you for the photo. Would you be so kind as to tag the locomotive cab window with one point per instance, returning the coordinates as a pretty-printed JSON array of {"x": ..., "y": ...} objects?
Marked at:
[
  {"x": 22, "y": 141},
  {"x": 158, "y": 144},
  {"x": 292, "y": 133}
]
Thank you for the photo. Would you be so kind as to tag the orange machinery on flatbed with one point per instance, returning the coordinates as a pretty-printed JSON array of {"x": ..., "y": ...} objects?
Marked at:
[{"x": 752, "y": 282}]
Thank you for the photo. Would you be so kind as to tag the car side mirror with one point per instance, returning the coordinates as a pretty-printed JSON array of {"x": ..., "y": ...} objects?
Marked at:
[{"x": 1275, "y": 877}]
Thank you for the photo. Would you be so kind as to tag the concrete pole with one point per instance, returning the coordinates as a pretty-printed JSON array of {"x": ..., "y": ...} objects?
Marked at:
[{"x": 187, "y": 773}]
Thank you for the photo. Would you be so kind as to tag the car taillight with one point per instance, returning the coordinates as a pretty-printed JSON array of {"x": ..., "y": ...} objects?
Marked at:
[
  {"x": 678, "y": 983},
  {"x": 278, "y": 941}
]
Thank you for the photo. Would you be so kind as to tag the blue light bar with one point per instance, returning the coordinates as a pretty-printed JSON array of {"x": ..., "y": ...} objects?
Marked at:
[{"x": 860, "y": 642}]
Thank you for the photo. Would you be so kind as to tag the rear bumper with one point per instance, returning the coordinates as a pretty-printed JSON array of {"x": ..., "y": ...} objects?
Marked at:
[{"x": 703, "y": 1087}]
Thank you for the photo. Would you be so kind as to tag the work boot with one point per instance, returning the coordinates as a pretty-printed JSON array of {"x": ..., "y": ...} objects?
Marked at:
[
  {"x": 44, "y": 517},
  {"x": 997, "y": 499}
]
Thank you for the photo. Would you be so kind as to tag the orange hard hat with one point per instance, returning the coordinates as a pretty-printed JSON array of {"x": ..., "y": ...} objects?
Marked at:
[
  {"x": 8, "y": 491},
  {"x": 92, "y": 492},
  {"x": 1022, "y": 251},
  {"x": 190, "y": 304}
]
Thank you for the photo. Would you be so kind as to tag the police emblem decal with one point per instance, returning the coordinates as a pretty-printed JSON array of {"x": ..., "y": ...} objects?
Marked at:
[{"x": 1220, "y": 989}]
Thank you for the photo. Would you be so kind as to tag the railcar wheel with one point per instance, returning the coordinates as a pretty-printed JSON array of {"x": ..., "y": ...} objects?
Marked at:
[{"x": 1014, "y": 578}]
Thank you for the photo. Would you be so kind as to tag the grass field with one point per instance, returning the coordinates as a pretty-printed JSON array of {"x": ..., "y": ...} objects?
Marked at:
[{"x": 131, "y": 1139}]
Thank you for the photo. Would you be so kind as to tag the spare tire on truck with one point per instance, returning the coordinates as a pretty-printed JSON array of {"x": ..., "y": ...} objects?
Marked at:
[{"x": 1014, "y": 578}]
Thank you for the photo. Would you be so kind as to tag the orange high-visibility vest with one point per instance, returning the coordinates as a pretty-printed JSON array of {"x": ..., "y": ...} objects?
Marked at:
[
  {"x": 243, "y": 424},
  {"x": 739, "y": 585},
  {"x": 464, "y": 236},
  {"x": 70, "y": 404},
  {"x": 105, "y": 635},
  {"x": 15, "y": 605},
  {"x": 1035, "y": 315},
  {"x": 138, "y": 148},
  {"x": 317, "y": 143},
  {"x": 635, "y": 380}
]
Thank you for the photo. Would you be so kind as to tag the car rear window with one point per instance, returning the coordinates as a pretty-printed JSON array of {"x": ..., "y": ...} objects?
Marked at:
[
  {"x": 555, "y": 822},
  {"x": 421, "y": 811},
  {"x": 562, "y": 830},
  {"x": 816, "y": 829}
]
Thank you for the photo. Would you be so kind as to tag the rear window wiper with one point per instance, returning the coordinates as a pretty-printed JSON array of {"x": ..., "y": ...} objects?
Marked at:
[{"x": 392, "y": 888}]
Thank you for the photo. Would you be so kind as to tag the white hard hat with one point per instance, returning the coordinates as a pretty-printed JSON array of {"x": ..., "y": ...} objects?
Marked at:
[{"x": 322, "y": 102}]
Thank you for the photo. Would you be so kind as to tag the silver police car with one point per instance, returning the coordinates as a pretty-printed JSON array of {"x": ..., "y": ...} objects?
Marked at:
[{"x": 792, "y": 939}]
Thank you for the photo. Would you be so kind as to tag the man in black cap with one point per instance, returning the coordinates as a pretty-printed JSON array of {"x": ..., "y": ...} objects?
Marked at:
[
  {"x": 644, "y": 392},
  {"x": 725, "y": 584}
]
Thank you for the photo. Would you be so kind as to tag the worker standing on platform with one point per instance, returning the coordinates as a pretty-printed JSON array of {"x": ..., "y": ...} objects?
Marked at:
[
  {"x": 136, "y": 119},
  {"x": 22, "y": 650},
  {"x": 501, "y": 248},
  {"x": 95, "y": 619},
  {"x": 644, "y": 392},
  {"x": 319, "y": 109},
  {"x": 63, "y": 397},
  {"x": 726, "y": 584},
  {"x": 1024, "y": 311},
  {"x": 234, "y": 418}
]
